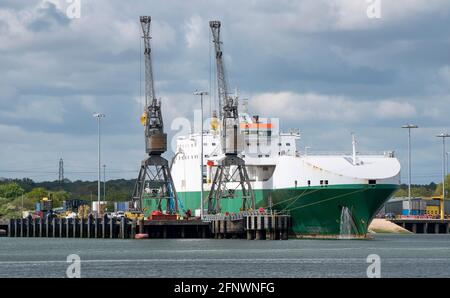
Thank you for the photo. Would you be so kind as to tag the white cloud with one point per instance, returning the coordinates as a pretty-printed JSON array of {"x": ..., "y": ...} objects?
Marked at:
[
  {"x": 195, "y": 33},
  {"x": 388, "y": 109},
  {"x": 44, "y": 110},
  {"x": 316, "y": 107}
]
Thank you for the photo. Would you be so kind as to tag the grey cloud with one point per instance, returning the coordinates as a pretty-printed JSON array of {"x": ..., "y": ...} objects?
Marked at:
[{"x": 72, "y": 68}]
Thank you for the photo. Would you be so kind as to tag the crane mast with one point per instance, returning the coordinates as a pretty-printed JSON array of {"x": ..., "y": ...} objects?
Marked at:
[
  {"x": 228, "y": 106},
  {"x": 149, "y": 88},
  {"x": 156, "y": 139},
  {"x": 154, "y": 184},
  {"x": 231, "y": 168},
  {"x": 226, "y": 102}
]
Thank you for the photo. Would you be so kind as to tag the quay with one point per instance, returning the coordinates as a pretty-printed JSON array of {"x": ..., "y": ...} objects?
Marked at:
[
  {"x": 424, "y": 226},
  {"x": 249, "y": 226}
]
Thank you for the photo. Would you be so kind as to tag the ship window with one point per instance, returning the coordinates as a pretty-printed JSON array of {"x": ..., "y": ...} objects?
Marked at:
[
  {"x": 260, "y": 156},
  {"x": 248, "y": 144},
  {"x": 326, "y": 182},
  {"x": 288, "y": 144},
  {"x": 321, "y": 182},
  {"x": 295, "y": 183},
  {"x": 265, "y": 168},
  {"x": 214, "y": 144},
  {"x": 309, "y": 182},
  {"x": 372, "y": 181},
  {"x": 267, "y": 155},
  {"x": 279, "y": 144}
]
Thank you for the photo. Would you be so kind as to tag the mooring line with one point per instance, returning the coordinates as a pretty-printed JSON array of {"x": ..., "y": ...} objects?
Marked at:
[
  {"x": 332, "y": 198},
  {"x": 295, "y": 197}
]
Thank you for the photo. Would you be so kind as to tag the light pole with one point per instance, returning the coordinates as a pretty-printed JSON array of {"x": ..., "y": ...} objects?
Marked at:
[
  {"x": 409, "y": 127},
  {"x": 201, "y": 93},
  {"x": 99, "y": 116},
  {"x": 447, "y": 155},
  {"x": 104, "y": 182},
  {"x": 442, "y": 207}
]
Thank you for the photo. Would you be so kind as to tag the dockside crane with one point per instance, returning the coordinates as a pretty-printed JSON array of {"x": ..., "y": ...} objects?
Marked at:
[
  {"x": 231, "y": 174},
  {"x": 154, "y": 180}
]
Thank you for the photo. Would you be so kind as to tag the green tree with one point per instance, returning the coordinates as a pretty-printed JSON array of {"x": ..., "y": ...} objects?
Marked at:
[
  {"x": 58, "y": 197},
  {"x": 36, "y": 194},
  {"x": 11, "y": 190},
  {"x": 438, "y": 191}
]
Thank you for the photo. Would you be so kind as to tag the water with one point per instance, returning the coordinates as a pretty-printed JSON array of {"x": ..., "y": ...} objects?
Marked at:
[
  {"x": 401, "y": 256},
  {"x": 346, "y": 223}
]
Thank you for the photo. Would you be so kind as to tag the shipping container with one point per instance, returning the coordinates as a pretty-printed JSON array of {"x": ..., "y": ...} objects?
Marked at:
[
  {"x": 416, "y": 204},
  {"x": 393, "y": 207},
  {"x": 121, "y": 206},
  {"x": 413, "y": 212},
  {"x": 433, "y": 210}
]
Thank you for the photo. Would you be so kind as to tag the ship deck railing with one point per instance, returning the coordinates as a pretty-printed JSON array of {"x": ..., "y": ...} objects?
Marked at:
[{"x": 346, "y": 153}]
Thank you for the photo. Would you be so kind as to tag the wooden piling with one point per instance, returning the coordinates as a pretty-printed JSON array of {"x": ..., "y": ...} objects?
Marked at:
[
  {"x": 36, "y": 224},
  {"x": 53, "y": 229},
  {"x": 133, "y": 229},
  {"x": 42, "y": 227},
  {"x": 112, "y": 224},
  {"x": 122, "y": 227},
  {"x": 104, "y": 227},
  {"x": 11, "y": 228}
]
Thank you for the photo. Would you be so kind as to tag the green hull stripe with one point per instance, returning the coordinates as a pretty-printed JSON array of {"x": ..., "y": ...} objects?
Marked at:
[{"x": 315, "y": 210}]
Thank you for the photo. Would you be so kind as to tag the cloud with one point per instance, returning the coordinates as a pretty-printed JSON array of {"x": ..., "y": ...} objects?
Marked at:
[
  {"x": 318, "y": 64},
  {"x": 444, "y": 73},
  {"x": 195, "y": 32},
  {"x": 317, "y": 107}
]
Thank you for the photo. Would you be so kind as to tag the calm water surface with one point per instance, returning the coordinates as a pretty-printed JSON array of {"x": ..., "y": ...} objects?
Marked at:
[{"x": 401, "y": 256}]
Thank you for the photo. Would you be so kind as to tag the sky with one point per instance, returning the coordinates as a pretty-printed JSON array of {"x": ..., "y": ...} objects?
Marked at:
[{"x": 328, "y": 68}]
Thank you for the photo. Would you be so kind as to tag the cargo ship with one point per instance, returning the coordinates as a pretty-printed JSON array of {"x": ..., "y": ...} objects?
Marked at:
[{"x": 328, "y": 195}]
